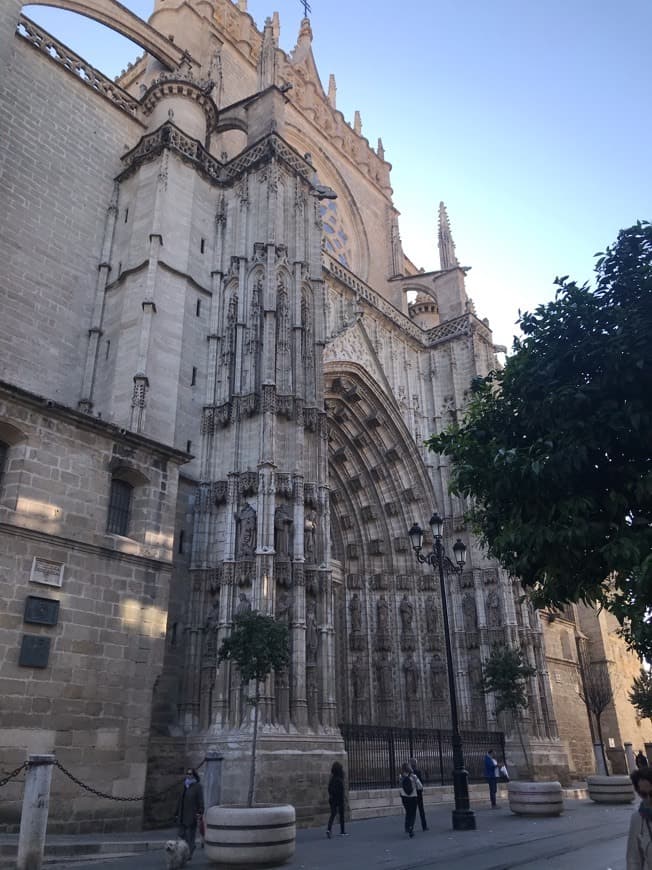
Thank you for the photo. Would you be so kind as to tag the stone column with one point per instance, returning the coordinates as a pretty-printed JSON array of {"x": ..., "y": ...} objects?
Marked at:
[{"x": 34, "y": 816}]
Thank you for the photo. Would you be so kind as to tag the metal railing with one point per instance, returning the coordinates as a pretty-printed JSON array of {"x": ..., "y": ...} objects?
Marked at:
[{"x": 375, "y": 753}]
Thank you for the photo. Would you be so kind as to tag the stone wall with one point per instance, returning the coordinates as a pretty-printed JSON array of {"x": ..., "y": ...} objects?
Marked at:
[{"x": 83, "y": 626}]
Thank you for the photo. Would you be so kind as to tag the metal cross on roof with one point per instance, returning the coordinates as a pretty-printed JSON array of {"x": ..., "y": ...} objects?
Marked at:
[{"x": 306, "y": 7}]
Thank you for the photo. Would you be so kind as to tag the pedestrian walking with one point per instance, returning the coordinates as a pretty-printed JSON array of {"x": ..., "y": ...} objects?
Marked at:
[
  {"x": 639, "y": 841},
  {"x": 421, "y": 780},
  {"x": 409, "y": 783},
  {"x": 336, "y": 798},
  {"x": 641, "y": 759},
  {"x": 190, "y": 808},
  {"x": 491, "y": 775}
]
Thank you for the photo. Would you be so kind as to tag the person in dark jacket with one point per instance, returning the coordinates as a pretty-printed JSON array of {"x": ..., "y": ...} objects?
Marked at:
[
  {"x": 641, "y": 759},
  {"x": 190, "y": 808},
  {"x": 491, "y": 775},
  {"x": 336, "y": 798},
  {"x": 409, "y": 785},
  {"x": 419, "y": 776}
]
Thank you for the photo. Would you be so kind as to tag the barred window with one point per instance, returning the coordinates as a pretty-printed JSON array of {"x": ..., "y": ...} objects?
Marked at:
[{"x": 119, "y": 507}]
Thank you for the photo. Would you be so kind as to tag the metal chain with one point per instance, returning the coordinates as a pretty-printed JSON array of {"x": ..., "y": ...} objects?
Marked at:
[{"x": 13, "y": 774}]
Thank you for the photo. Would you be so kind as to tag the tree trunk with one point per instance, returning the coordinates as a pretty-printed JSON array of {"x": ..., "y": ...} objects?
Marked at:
[
  {"x": 252, "y": 774},
  {"x": 522, "y": 742},
  {"x": 599, "y": 728}
]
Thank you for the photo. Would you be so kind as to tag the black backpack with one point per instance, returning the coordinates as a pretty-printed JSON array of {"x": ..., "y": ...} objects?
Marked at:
[{"x": 407, "y": 785}]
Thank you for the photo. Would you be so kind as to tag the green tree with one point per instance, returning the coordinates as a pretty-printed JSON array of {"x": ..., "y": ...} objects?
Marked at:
[
  {"x": 257, "y": 645},
  {"x": 641, "y": 694},
  {"x": 505, "y": 675},
  {"x": 554, "y": 450}
]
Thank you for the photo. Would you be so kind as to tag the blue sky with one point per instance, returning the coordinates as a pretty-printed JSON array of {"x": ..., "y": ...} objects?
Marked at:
[{"x": 530, "y": 120}]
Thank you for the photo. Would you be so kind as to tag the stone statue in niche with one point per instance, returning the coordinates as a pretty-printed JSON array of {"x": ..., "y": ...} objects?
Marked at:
[
  {"x": 283, "y": 606},
  {"x": 358, "y": 680},
  {"x": 493, "y": 610},
  {"x": 411, "y": 672},
  {"x": 283, "y": 523},
  {"x": 309, "y": 535},
  {"x": 431, "y": 615},
  {"x": 246, "y": 533},
  {"x": 470, "y": 621},
  {"x": 312, "y": 637},
  {"x": 382, "y": 615},
  {"x": 384, "y": 677},
  {"x": 210, "y": 629},
  {"x": 406, "y": 610},
  {"x": 475, "y": 678},
  {"x": 355, "y": 614},
  {"x": 437, "y": 678},
  {"x": 244, "y": 605}
]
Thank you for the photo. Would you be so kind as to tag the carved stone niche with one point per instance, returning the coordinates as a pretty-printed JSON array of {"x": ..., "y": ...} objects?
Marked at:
[
  {"x": 466, "y": 580},
  {"x": 355, "y": 581},
  {"x": 392, "y": 455},
  {"x": 381, "y": 581},
  {"x": 245, "y": 571},
  {"x": 490, "y": 576},
  {"x": 339, "y": 456},
  {"x": 378, "y": 473},
  {"x": 400, "y": 544},
  {"x": 391, "y": 508},
  {"x": 259, "y": 252},
  {"x": 284, "y": 485},
  {"x": 310, "y": 419},
  {"x": 352, "y": 395},
  {"x": 310, "y": 494},
  {"x": 404, "y": 581},
  {"x": 337, "y": 385},
  {"x": 376, "y": 547},
  {"x": 372, "y": 421},
  {"x": 361, "y": 439},
  {"x": 368, "y": 513},
  {"x": 220, "y": 490},
  {"x": 283, "y": 572},
  {"x": 312, "y": 582},
  {"x": 346, "y": 521},
  {"x": 427, "y": 582},
  {"x": 356, "y": 641},
  {"x": 353, "y": 551},
  {"x": 408, "y": 494},
  {"x": 285, "y": 406},
  {"x": 248, "y": 482},
  {"x": 355, "y": 484}
]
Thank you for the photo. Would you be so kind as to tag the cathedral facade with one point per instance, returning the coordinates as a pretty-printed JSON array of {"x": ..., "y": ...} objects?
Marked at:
[{"x": 219, "y": 370}]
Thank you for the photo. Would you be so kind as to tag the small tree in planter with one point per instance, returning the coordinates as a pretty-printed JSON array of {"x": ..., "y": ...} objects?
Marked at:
[
  {"x": 504, "y": 675},
  {"x": 257, "y": 645},
  {"x": 597, "y": 692}
]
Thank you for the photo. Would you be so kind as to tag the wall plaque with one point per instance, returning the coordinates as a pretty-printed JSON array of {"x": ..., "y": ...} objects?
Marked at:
[
  {"x": 42, "y": 611},
  {"x": 47, "y": 572},
  {"x": 34, "y": 651}
]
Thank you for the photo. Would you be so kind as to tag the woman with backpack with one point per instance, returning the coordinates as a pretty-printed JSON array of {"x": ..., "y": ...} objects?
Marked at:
[
  {"x": 409, "y": 783},
  {"x": 336, "y": 798}
]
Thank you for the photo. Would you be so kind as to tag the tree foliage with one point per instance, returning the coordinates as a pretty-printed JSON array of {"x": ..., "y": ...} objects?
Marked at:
[
  {"x": 257, "y": 645},
  {"x": 641, "y": 694},
  {"x": 554, "y": 450},
  {"x": 505, "y": 675}
]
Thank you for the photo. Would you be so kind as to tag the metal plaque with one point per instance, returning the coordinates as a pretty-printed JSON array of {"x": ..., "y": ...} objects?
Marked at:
[
  {"x": 42, "y": 611},
  {"x": 34, "y": 651}
]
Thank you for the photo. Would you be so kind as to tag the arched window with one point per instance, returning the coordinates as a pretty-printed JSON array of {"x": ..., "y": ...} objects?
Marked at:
[{"x": 119, "y": 507}]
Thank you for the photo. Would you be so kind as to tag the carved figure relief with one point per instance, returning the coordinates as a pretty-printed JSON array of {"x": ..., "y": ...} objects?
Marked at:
[
  {"x": 283, "y": 526},
  {"x": 382, "y": 615},
  {"x": 411, "y": 673},
  {"x": 312, "y": 637},
  {"x": 244, "y": 605},
  {"x": 358, "y": 680},
  {"x": 470, "y": 621},
  {"x": 309, "y": 535},
  {"x": 354, "y": 612},
  {"x": 431, "y": 615},
  {"x": 283, "y": 357},
  {"x": 384, "y": 678},
  {"x": 284, "y": 606},
  {"x": 406, "y": 612},
  {"x": 493, "y": 610},
  {"x": 475, "y": 678},
  {"x": 246, "y": 533},
  {"x": 437, "y": 678}
]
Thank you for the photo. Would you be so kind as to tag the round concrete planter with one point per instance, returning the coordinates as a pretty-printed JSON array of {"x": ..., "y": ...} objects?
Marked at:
[
  {"x": 610, "y": 789},
  {"x": 250, "y": 836},
  {"x": 535, "y": 798}
]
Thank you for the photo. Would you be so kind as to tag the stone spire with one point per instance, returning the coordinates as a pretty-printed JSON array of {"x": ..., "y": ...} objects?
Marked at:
[
  {"x": 380, "y": 151},
  {"x": 242, "y": 5},
  {"x": 267, "y": 60},
  {"x": 447, "y": 258},
  {"x": 332, "y": 91},
  {"x": 357, "y": 123}
]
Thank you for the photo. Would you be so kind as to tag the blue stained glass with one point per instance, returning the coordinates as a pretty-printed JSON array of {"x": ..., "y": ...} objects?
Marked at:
[{"x": 328, "y": 228}]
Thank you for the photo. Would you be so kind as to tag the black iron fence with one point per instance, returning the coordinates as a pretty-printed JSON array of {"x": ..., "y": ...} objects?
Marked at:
[{"x": 375, "y": 753}]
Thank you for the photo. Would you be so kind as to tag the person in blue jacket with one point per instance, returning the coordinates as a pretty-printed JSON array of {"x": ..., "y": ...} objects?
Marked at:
[{"x": 491, "y": 775}]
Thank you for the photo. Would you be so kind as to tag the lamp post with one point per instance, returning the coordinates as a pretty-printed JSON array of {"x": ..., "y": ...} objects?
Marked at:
[{"x": 463, "y": 815}]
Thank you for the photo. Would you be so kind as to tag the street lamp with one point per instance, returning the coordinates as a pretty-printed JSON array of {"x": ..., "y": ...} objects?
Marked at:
[{"x": 463, "y": 816}]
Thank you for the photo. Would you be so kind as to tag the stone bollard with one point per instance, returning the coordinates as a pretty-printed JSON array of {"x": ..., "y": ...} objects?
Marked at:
[
  {"x": 629, "y": 755},
  {"x": 34, "y": 815}
]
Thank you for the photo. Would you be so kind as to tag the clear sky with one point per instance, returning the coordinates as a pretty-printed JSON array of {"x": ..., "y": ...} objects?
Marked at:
[{"x": 531, "y": 121}]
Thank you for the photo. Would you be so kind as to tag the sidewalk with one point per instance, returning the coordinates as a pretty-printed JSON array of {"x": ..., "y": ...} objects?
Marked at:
[{"x": 587, "y": 835}]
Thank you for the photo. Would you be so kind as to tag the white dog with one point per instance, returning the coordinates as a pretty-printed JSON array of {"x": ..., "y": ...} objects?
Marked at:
[{"x": 177, "y": 854}]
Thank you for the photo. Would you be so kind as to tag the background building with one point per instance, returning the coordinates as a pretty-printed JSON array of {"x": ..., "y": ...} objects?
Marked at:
[{"x": 219, "y": 371}]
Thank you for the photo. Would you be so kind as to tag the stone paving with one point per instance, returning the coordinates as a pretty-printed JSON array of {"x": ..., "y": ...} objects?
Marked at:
[{"x": 586, "y": 837}]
